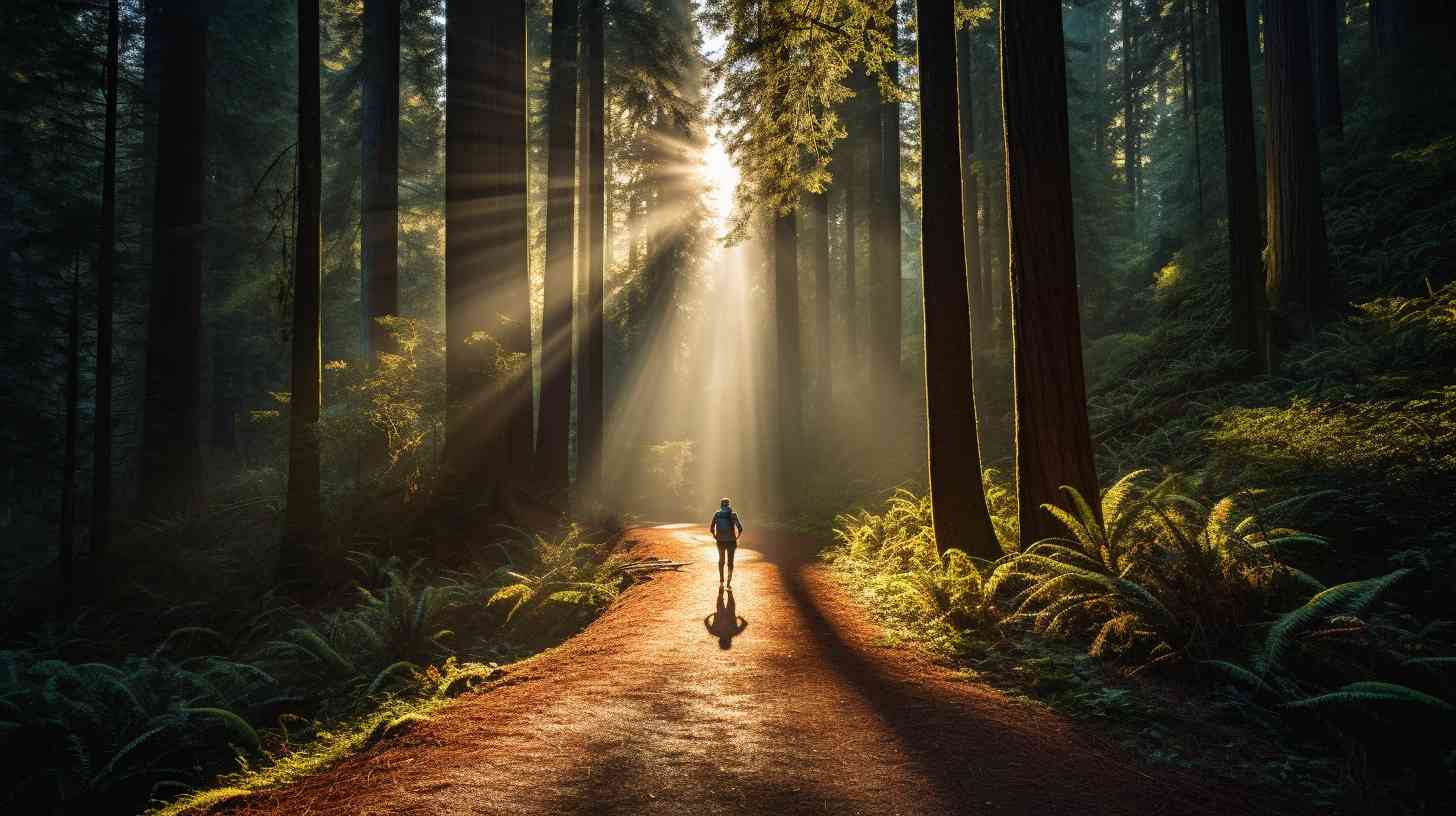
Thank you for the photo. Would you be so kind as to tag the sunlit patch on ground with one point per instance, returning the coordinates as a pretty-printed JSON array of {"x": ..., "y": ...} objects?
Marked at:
[{"x": 681, "y": 526}]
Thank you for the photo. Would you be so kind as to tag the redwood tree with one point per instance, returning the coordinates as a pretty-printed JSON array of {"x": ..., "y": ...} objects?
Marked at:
[
  {"x": 1297, "y": 282},
  {"x": 105, "y": 305},
  {"x": 1324, "y": 40},
  {"x": 1053, "y": 443},
  {"x": 555, "y": 411},
  {"x": 171, "y": 453},
  {"x": 885, "y": 328},
  {"x": 1246, "y": 296},
  {"x": 591, "y": 376},
  {"x": 379, "y": 177},
  {"x": 958, "y": 504},
  {"x": 305, "y": 515}
]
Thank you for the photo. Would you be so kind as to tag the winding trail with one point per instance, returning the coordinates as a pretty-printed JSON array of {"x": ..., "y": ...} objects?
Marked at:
[{"x": 805, "y": 712}]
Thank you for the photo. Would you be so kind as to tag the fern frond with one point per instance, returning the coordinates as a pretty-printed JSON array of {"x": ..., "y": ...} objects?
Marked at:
[{"x": 1345, "y": 599}]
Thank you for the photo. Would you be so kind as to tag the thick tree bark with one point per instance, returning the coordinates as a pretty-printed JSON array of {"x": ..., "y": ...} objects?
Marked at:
[
  {"x": 305, "y": 511},
  {"x": 379, "y": 180},
  {"x": 1132, "y": 167},
  {"x": 979, "y": 283},
  {"x": 171, "y": 455},
  {"x": 105, "y": 306},
  {"x": 591, "y": 375},
  {"x": 1297, "y": 283},
  {"x": 885, "y": 250},
  {"x": 786, "y": 321},
  {"x": 554, "y": 449},
  {"x": 958, "y": 504},
  {"x": 1324, "y": 39},
  {"x": 824, "y": 368},
  {"x": 489, "y": 433},
  {"x": 1053, "y": 444},
  {"x": 1246, "y": 245}
]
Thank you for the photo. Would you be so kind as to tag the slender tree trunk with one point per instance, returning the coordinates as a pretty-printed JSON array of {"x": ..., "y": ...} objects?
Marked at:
[
  {"x": 489, "y": 426},
  {"x": 958, "y": 504},
  {"x": 1192, "y": 63},
  {"x": 305, "y": 511},
  {"x": 379, "y": 179},
  {"x": 1053, "y": 443},
  {"x": 885, "y": 250},
  {"x": 823, "y": 376},
  {"x": 786, "y": 319},
  {"x": 1329, "y": 109},
  {"x": 1131, "y": 159},
  {"x": 171, "y": 456},
  {"x": 556, "y": 353},
  {"x": 1297, "y": 282},
  {"x": 591, "y": 416},
  {"x": 1242, "y": 178},
  {"x": 105, "y": 307},
  {"x": 67, "y": 558}
]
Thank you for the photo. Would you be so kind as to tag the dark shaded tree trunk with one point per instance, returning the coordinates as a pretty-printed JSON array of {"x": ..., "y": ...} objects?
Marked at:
[
  {"x": 1132, "y": 167},
  {"x": 305, "y": 510},
  {"x": 786, "y": 321},
  {"x": 885, "y": 305},
  {"x": 171, "y": 455},
  {"x": 1324, "y": 39},
  {"x": 1246, "y": 245},
  {"x": 824, "y": 368},
  {"x": 1390, "y": 25},
  {"x": 67, "y": 559},
  {"x": 1053, "y": 443},
  {"x": 979, "y": 283},
  {"x": 1297, "y": 283},
  {"x": 1191, "y": 99},
  {"x": 554, "y": 426},
  {"x": 105, "y": 306},
  {"x": 958, "y": 504},
  {"x": 591, "y": 373},
  {"x": 489, "y": 422},
  {"x": 379, "y": 179}
]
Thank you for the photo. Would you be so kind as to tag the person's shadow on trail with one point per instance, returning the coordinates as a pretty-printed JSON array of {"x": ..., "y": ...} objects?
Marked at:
[{"x": 724, "y": 622}]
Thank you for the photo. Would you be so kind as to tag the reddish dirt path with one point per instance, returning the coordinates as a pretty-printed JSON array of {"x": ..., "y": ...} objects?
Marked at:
[{"x": 804, "y": 713}]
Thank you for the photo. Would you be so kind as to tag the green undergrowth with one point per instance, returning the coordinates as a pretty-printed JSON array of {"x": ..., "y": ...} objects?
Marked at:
[{"x": 1181, "y": 625}]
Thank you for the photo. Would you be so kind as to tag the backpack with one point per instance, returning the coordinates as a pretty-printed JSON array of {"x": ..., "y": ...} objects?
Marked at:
[{"x": 725, "y": 528}]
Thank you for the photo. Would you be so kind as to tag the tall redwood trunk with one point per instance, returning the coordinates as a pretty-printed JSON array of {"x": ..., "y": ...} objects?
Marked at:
[
  {"x": 979, "y": 283},
  {"x": 553, "y": 452},
  {"x": 105, "y": 306},
  {"x": 1132, "y": 167},
  {"x": 489, "y": 433},
  {"x": 885, "y": 250},
  {"x": 823, "y": 373},
  {"x": 1246, "y": 245},
  {"x": 379, "y": 177},
  {"x": 958, "y": 504},
  {"x": 1297, "y": 283},
  {"x": 591, "y": 376},
  {"x": 305, "y": 512},
  {"x": 1324, "y": 39},
  {"x": 1053, "y": 443},
  {"x": 171, "y": 455},
  {"x": 786, "y": 323}
]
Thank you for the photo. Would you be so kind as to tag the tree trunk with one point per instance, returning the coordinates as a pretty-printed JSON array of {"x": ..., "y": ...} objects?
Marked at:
[
  {"x": 488, "y": 428},
  {"x": 823, "y": 375},
  {"x": 885, "y": 249},
  {"x": 958, "y": 504},
  {"x": 591, "y": 382},
  {"x": 555, "y": 411},
  {"x": 305, "y": 511},
  {"x": 1132, "y": 167},
  {"x": 105, "y": 306},
  {"x": 67, "y": 557},
  {"x": 379, "y": 177},
  {"x": 1191, "y": 61},
  {"x": 1241, "y": 173},
  {"x": 1297, "y": 283},
  {"x": 786, "y": 320},
  {"x": 171, "y": 456},
  {"x": 978, "y": 281},
  {"x": 1324, "y": 39},
  {"x": 1053, "y": 444}
]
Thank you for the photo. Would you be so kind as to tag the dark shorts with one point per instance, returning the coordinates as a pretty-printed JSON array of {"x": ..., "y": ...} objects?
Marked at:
[{"x": 727, "y": 545}]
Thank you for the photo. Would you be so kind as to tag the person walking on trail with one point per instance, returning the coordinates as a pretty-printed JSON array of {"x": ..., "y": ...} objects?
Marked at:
[{"x": 725, "y": 529}]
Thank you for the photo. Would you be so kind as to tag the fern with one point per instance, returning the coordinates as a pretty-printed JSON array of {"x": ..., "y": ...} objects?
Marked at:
[{"x": 1346, "y": 599}]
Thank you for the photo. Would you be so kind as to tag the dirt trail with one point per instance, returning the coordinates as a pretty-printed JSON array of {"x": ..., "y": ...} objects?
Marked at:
[{"x": 645, "y": 712}]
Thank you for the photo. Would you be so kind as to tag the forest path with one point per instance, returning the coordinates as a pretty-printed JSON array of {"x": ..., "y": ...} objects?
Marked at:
[{"x": 805, "y": 712}]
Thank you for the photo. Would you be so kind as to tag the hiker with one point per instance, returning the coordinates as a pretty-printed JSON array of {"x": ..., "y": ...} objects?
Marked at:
[
  {"x": 725, "y": 529},
  {"x": 725, "y": 622}
]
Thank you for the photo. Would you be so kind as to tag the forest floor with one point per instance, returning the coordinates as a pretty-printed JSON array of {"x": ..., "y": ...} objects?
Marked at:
[{"x": 807, "y": 709}]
